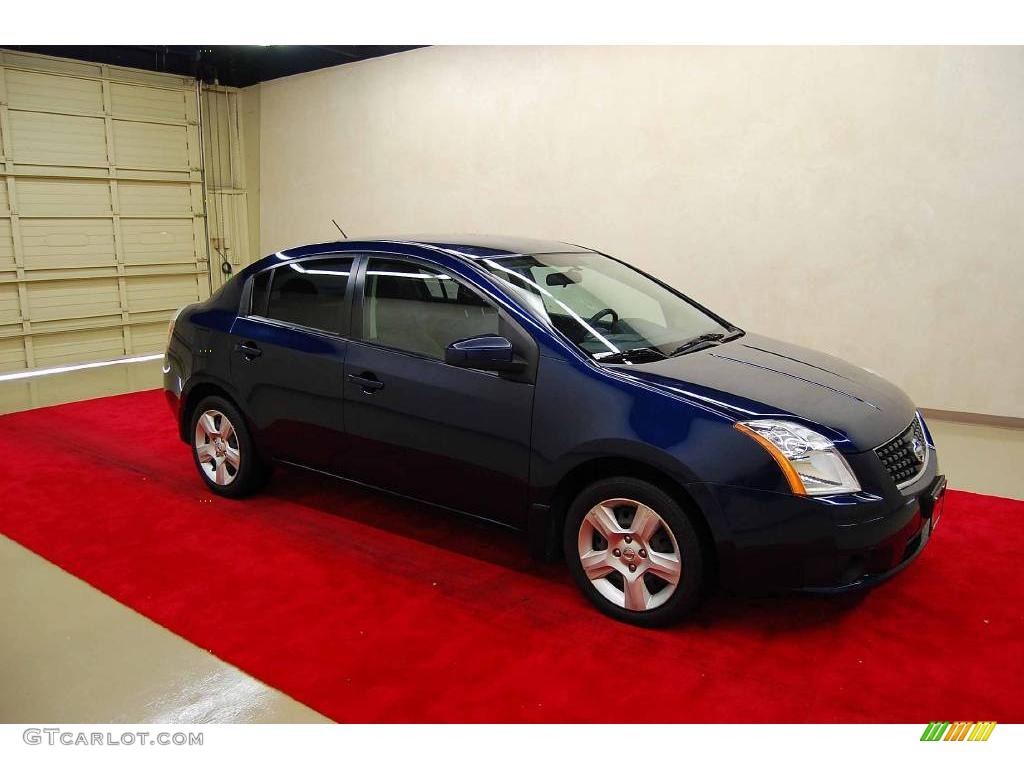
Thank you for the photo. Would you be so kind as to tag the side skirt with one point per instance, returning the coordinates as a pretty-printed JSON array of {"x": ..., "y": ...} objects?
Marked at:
[{"x": 398, "y": 495}]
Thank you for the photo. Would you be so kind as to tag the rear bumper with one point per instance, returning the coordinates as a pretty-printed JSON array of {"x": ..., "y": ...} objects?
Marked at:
[
  {"x": 174, "y": 403},
  {"x": 780, "y": 542},
  {"x": 173, "y": 386}
]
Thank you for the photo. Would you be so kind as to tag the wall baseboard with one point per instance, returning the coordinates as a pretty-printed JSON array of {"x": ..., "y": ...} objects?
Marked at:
[{"x": 978, "y": 419}]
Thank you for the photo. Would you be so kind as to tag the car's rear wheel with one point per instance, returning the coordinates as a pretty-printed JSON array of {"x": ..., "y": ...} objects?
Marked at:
[
  {"x": 223, "y": 449},
  {"x": 634, "y": 552}
]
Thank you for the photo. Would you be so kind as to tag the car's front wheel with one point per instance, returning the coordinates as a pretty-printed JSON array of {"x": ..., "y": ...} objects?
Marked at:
[
  {"x": 223, "y": 449},
  {"x": 634, "y": 552}
]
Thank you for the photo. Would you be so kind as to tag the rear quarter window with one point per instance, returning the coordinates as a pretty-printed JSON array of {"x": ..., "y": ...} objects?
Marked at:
[{"x": 260, "y": 289}]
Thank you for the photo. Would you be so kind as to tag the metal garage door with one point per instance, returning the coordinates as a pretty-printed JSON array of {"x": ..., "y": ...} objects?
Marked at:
[{"x": 102, "y": 233}]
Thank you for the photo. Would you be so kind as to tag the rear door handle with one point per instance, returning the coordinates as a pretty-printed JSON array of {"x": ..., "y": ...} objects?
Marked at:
[
  {"x": 367, "y": 381},
  {"x": 248, "y": 350}
]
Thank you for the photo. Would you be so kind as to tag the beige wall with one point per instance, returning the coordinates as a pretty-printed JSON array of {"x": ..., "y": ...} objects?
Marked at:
[
  {"x": 864, "y": 201},
  {"x": 980, "y": 457}
]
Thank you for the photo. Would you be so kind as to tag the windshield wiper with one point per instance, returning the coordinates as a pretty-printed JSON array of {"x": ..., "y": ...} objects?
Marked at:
[
  {"x": 646, "y": 355},
  {"x": 704, "y": 340}
]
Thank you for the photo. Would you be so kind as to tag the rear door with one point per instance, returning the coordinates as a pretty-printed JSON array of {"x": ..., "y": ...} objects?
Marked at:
[
  {"x": 416, "y": 425},
  {"x": 288, "y": 358}
]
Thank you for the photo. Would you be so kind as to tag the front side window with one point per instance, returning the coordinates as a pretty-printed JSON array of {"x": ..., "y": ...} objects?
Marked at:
[
  {"x": 310, "y": 293},
  {"x": 419, "y": 309},
  {"x": 608, "y": 309}
]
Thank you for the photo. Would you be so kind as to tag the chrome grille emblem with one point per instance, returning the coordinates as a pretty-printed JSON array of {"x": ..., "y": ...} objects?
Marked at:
[{"x": 917, "y": 447}]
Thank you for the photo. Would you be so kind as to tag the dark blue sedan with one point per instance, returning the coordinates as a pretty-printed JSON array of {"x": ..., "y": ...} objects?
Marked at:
[{"x": 563, "y": 392}]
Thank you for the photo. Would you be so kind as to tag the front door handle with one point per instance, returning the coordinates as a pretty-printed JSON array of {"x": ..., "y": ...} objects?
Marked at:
[
  {"x": 248, "y": 350},
  {"x": 367, "y": 381}
]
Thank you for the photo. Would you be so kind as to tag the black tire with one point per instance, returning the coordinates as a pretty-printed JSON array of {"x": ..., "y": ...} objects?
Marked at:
[
  {"x": 689, "y": 587},
  {"x": 252, "y": 472}
]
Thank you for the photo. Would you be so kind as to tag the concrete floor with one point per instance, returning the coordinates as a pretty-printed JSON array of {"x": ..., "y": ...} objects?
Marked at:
[{"x": 70, "y": 654}]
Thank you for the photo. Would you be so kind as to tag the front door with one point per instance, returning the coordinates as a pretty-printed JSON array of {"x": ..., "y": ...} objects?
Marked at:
[{"x": 416, "y": 425}]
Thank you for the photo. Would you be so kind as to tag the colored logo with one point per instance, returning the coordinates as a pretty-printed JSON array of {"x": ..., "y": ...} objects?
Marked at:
[{"x": 958, "y": 731}]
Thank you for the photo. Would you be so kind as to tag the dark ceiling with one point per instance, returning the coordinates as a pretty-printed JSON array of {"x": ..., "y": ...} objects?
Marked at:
[{"x": 234, "y": 65}]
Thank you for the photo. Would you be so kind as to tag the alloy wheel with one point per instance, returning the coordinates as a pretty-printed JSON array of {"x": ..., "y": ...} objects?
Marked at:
[
  {"x": 629, "y": 554},
  {"x": 216, "y": 445}
]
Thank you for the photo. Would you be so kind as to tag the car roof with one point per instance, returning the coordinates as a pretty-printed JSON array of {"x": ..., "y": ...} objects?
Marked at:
[{"x": 468, "y": 246}]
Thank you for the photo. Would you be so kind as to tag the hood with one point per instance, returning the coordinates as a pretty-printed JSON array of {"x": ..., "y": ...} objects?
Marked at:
[{"x": 757, "y": 377}]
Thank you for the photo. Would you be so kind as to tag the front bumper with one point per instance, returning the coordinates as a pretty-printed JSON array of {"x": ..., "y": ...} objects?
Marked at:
[
  {"x": 777, "y": 541},
  {"x": 930, "y": 505}
]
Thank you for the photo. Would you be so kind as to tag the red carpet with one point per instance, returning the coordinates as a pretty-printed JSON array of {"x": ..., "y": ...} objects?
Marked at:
[{"x": 370, "y": 609}]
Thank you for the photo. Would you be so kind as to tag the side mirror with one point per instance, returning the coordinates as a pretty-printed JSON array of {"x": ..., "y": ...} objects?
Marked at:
[{"x": 483, "y": 353}]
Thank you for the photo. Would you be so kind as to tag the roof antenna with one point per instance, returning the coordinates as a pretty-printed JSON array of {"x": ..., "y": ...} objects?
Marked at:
[{"x": 339, "y": 229}]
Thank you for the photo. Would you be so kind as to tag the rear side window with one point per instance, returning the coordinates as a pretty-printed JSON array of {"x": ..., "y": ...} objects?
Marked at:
[
  {"x": 419, "y": 309},
  {"x": 260, "y": 289},
  {"x": 309, "y": 293}
]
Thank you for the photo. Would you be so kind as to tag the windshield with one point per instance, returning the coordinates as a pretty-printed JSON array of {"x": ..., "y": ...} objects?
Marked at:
[{"x": 608, "y": 309}]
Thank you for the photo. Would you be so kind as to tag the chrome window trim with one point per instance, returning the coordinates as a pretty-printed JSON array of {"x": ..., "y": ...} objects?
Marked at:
[
  {"x": 417, "y": 355},
  {"x": 296, "y": 327}
]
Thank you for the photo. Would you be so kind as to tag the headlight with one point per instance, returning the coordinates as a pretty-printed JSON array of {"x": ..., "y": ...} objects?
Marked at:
[{"x": 810, "y": 462}]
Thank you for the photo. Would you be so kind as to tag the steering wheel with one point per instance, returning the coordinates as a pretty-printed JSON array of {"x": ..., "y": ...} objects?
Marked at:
[{"x": 606, "y": 311}]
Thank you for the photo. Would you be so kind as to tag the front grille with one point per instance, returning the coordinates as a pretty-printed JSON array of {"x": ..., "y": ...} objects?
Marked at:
[{"x": 898, "y": 456}]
